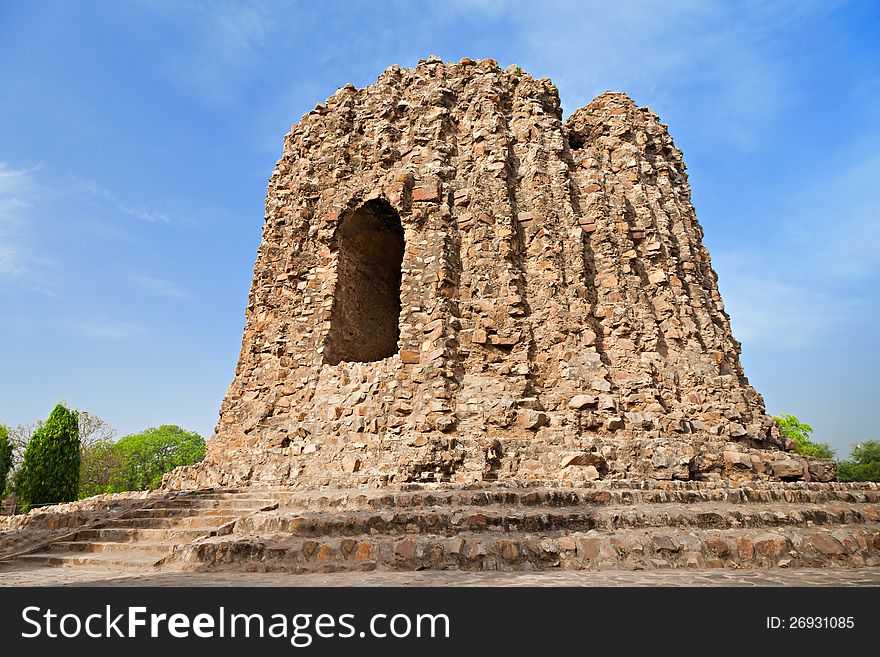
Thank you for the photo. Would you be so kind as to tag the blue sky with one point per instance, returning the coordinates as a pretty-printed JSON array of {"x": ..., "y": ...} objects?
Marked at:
[{"x": 136, "y": 140}]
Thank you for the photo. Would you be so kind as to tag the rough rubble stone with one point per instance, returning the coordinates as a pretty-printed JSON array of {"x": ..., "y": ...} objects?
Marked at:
[{"x": 446, "y": 263}]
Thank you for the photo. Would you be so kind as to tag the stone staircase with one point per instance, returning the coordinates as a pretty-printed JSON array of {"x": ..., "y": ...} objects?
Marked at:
[
  {"x": 615, "y": 525},
  {"x": 140, "y": 539},
  {"x": 611, "y": 525}
]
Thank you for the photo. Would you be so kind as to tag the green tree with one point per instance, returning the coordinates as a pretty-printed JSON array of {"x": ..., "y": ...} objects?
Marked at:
[
  {"x": 49, "y": 471},
  {"x": 147, "y": 455},
  {"x": 790, "y": 428},
  {"x": 863, "y": 463},
  {"x": 6, "y": 452},
  {"x": 101, "y": 468},
  {"x": 100, "y": 461}
]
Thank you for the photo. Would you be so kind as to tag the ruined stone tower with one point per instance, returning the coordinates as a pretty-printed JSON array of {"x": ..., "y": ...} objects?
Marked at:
[{"x": 454, "y": 284}]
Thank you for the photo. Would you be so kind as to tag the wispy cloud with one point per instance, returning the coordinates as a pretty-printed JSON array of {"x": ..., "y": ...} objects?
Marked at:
[
  {"x": 771, "y": 308},
  {"x": 15, "y": 189},
  {"x": 159, "y": 287},
  {"x": 109, "y": 330},
  {"x": 26, "y": 200},
  {"x": 223, "y": 44},
  {"x": 10, "y": 258},
  {"x": 835, "y": 217},
  {"x": 727, "y": 56},
  {"x": 143, "y": 213},
  {"x": 18, "y": 260},
  {"x": 15, "y": 183},
  {"x": 814, "y": 270},
  {"x": 93, "y": 190}
]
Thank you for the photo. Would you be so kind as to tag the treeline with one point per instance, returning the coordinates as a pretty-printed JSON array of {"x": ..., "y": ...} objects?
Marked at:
[
  {"x": 75, "y": 454},
  {"x": 863, "y": 463}
]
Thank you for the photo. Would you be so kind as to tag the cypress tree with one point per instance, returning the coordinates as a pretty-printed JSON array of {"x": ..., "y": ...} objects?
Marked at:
[{"x": 50, "y": 470}]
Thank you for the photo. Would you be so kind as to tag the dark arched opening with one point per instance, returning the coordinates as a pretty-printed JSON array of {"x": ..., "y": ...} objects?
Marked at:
[{"x": 366, "y": 305}]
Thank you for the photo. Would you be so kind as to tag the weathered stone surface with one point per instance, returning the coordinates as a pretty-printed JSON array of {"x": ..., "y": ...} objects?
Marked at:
[
  {"x": 771, "y": 545},
  {"x": 717, "y": 546},
  {"x": 444, "y": 258},
  {"x": 788, "y": 468},
  {"x": 595, "y": 460},
  {"x": 529, "y": 419},
  {"x": 608, "y": 524},
  {"x": 350, "y": 463},
  {"x": 822, "y": 469},
  {"x": 589, "y": 548},
  {"x": 603, "y": 525},
  {"x": 665, "y": 544},
  {"x": 581, "y": 401},
  {"x": 128, "y": 531},
  {"x": 736, "y": 460},
  {"x": 827, "y": 545}
]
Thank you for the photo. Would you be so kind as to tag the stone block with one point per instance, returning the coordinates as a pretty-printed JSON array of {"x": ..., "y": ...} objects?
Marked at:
[
  {"x": 580, "y": 402},
  {"x": 426, "y": 193},
  {"x": 822, "y": 469},
  {"x": 788, "y": 468},
  {"x": 585, "y": 459},
  {"x": 737, "y": 461}
]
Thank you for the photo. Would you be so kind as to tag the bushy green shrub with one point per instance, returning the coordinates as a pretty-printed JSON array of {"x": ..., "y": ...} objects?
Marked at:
[
  {"x": 6, "y": 451},
  {"x": 863, "y": 463},
  {"x": 49, "y": 472},
  {"x": 790, "y": 428}
]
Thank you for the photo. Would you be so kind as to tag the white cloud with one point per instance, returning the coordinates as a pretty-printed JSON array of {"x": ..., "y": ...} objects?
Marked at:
[
  {"x": 15, "y": 188},
  {"x": 143, "y": 213},
  {"x": 11, "y": 258},
  {"x": 159, "y": 287},
  {"x": 91, "y": 189},
  {"x": 728, "y": 57},
  {"x": 835, "y": 218},
  {"x": 24, "y": 197},
  {"x": 18, "y": 261},
  {"x": 769, "y": 307},
  {"x": 223, "y": 43},
  {"x": 815, "y": 270}
]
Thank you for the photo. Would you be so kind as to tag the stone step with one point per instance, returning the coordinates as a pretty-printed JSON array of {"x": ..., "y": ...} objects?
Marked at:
[
  {"x": 530, "y": 485},
  {"x": 131, "y": 547},
  {"x": 194, "y": 520},
  {"x": 610, "y": 525},
  {"x": 134, "y": 534},
  {"x": 125, "y": 562},
  {"x": 259, "y": 495},
  {"x": 209, "y": 504},
  {"x": 845, "y": 546},
  {"x": 185, "y": 512},
  {"x": 448, "y": 521},
  {"x": 162, "y": 512},
  {"x": 550, "y": 498}
]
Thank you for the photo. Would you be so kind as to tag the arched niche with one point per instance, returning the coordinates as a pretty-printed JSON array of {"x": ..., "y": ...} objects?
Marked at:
[{"x": 365, "y": 316}]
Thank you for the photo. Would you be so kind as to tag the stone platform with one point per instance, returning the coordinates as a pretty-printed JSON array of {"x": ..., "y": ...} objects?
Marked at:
[
  {"x": 611, "y": 525},
  {"x": 608, "y": 526}
]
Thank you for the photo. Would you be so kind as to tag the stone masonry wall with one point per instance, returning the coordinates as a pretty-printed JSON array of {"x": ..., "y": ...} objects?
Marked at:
[{"x": 559, "y": 317}]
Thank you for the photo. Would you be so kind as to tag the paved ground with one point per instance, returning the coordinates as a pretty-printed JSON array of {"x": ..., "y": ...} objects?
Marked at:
[{"x": 21, "y": 576}]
